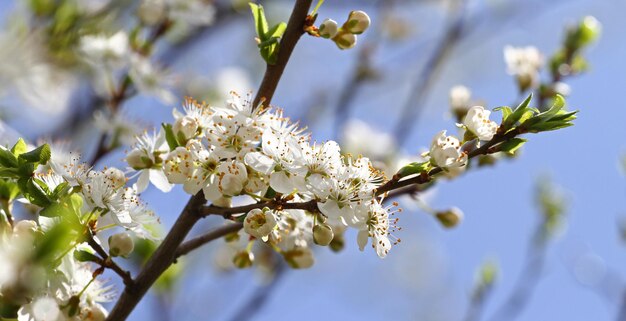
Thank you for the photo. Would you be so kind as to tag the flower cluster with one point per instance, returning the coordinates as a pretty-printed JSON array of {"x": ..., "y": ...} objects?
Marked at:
[
  {"x": 69, "y": 291},
  {"x": 46, "y": 264},
  {"x": 345, "y": 37},
  {"x": 226, "y": 152}
]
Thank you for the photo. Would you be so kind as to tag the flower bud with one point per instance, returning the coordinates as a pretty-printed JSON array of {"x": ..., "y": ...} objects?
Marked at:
[
  {"x": 588, "y": 31},
  {"x": 299, "y": 257},
  {"x": 185, "y": 126},
  {"x": 116, "y": 177},
  {"x": 151, "y": 12},
  {"x": 337, "y": 244},
  {"x": 322, "y": 234},
  {"x": 358, "y": 22},
  {"x": 449, "y": 218},
  {"x": 121, "y": 244},
  {"x": 328, "y": 28},
  {"x": 345, "y": 40},
  {"x": 259, "y": 223},
  {"x": 135, "y": 159},
  {"x": 243, "y": 259}
]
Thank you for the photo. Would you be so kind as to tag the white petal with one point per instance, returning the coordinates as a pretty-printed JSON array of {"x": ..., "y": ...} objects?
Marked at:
[
  {"x": 159, "y": 180},
  {"x": 281, "y": 183},
  {"x": 361, "y": 239},
  {"x": 259, "y": 162},
  {"x": 142, "y": 181},
  {"x": 211, "y": 189}
]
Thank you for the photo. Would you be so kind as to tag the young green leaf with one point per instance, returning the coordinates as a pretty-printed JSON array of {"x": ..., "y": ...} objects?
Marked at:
[
  {"x": 19, "y": 148},
  {"x": 7, "y": 159},
  {"x": 40, "y": 155},
  {"x": 260, "y": 22},
  {"x": 414, "y": 168},
  {"x": 511, "y": 145},
  {"x": 517, "y": 113}
]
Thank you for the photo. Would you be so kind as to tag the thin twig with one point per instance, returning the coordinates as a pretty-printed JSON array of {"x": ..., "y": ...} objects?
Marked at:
[
  {"x": 107, "y": 261},
  {"x": 261, "y": 294},
  {"x": 198, "y": 241},
  {"x": 524, "y": 287},
  {"x": 414, "y": 105}
]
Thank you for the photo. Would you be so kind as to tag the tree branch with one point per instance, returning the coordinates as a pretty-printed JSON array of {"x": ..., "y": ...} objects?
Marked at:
[
  {"x": 160, "y": 260},
  {"x": 273, "y": 73},
  {"x": 214, "y": 234}
]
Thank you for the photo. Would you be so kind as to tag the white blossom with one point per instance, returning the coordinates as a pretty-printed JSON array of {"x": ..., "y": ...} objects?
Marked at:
[
  {"x": 524, "y": 63},
  {"x": 460, "y": 97},
  {"x": 477, "y": 121},
  {"x": 445, "y": 151},
  {"x": 259, "y": 223}
]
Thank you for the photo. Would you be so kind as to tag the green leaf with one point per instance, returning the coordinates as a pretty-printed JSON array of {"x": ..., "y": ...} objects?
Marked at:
[
  {"x": 19, "y": 148},
  {"x": 548, "y": 126},
  {"x": 170, "y": 137},
  {"x": 506, "y": 111},
  {"x": 84, "y": 256},
  {"x": 9, "y": 173},
  {"x": 54, "y": 242},
  {"x": 513, "y": 118},
  {"x": 557, "y": 105},
  {"x": 68, "y": 207},
  {"x": 40, "y": 155},
  {"x": 414, "y": 168},
  {"x": 511, "y": 145},
  {"x": 34, "y": 192},
  {"x": 8, "y": 190},
  {"x": 260, "y": 22},
  {"x": 277, "y": 31},
  {"x": 7, "y": 159}
]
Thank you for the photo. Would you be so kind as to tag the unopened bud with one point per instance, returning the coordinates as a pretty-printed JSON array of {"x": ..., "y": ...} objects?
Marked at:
[
  {"x": 449, "y": 218},
  {"x": 121, "y": 244},
  {"x": 338, "y": 243},
  {"x": 328, "y": 28},
  {"x": 135, "y": 159},
  {"x": 589, "y": 30},
  {"x": 358, "y": 22},
  {"x": 345, "y": 40},
  {"x": 322, "y": 234},
  {"x": 243, "y": 260}
]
